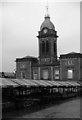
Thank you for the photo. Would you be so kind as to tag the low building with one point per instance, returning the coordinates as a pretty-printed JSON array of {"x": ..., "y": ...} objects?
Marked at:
[{"x": 7, "y": 75}]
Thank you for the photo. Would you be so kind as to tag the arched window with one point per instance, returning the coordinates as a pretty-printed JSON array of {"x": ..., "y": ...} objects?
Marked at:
[
  {"x": 43, "y": 47},
  {"x": 47, "y": 46}
]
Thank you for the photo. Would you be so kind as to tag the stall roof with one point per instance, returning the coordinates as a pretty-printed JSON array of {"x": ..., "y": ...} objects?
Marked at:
[
  {"x": 55, "y": 83},
  {"x": 21, "y": 82},
  {"x": 29, "y": 82},
  {"x": 40, "y": 83},
  {"x": 73, "y": 83},
  {"x": 7, "y": 82},
  {"x": 4, "y": 82},
  {"x": 46, "y": 82},
  {"x": 63, "y": 83}
]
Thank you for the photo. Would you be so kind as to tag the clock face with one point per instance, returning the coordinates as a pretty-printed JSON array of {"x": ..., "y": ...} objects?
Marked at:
[{"x": 45, "y": 31}]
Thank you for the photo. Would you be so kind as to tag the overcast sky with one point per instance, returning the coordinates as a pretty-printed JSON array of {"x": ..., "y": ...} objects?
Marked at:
[{"x": 21, "y": 22}]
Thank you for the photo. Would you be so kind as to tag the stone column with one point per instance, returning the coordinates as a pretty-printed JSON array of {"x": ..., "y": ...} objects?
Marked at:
[
  {"x": 39, "y": 72},
  {"x": 30, "y": 70},
  {"x": 51, "y": 73}
]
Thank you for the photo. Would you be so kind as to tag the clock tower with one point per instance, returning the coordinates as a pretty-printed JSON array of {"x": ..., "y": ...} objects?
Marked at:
[
  {"x": 48, "y": 63},
  {"x": 47, "y": 37}
]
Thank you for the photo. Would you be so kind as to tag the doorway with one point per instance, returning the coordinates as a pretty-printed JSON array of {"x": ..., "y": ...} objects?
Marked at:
[{"x": 45, "y": 74}]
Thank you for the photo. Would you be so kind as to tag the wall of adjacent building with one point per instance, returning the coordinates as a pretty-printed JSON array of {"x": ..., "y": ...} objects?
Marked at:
[
  {"x": 23, "y": 67},
  {"x": 70, "y": 63},
  {"x": 80, "y": 68},
  {"x": 35, "y": 73}
]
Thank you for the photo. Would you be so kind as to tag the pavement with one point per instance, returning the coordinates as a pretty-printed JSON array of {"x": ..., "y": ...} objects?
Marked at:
[{"x": 69, "y": 109}]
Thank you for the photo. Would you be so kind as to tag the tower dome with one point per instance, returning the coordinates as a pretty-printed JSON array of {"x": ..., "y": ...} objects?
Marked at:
[{"x": 47, "y": 23}]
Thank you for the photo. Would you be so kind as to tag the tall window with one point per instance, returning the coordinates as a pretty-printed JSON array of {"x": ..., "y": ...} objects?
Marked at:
[
  {"x": 40, "y": 48},
  {"x": 45, "y": 74},
  {"x": 47, "y": 47},
  {"x": 56, "y": 74},
  {"x": 43, "y": 47},
  {"x": 70, "y": 74},
  {"x": 23, "y": 75},
  {"x": 54, "y": 47},
  {"x": 35, "y": 76}
]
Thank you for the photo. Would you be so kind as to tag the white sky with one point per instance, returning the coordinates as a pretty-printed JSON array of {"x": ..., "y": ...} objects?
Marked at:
[{"x": 20, "y": 22}]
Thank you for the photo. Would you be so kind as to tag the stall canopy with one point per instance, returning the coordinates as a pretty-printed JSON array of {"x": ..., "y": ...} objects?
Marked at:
[
  {"x": 73, "y": 83},
  {"x": 24, "y": 82},
  {"x": 46, "y": 83},
  {"x": 63, "y": 83},
  {"x": 54, "y": 83},
  {"x": 29, "y": 82},
  {"x": 40, "y": 83},
  {"x": 5, "y": 82}
]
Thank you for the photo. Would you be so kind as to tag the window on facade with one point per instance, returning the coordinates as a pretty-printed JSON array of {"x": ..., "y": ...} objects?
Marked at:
[
  {"x": 70, "y": 74},
  {"x": 23, "y": 75},
  {"x": 43, "y": 47},
  {"x": 47, "y": 46},
  {"x": 40, "y": 48},
  {"x": 35, "y": 76},
  {"x": 45, "y": 74},
  {"x": 54, "y": 47},
  {"x": 22, "y": 65},
  {"x": 56, "y": 74}
]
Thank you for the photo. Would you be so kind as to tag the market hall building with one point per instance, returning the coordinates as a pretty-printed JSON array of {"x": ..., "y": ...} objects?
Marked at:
[{"x": 47, "y": 66}]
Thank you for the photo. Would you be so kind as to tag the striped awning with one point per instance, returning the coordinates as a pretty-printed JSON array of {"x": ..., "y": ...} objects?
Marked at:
[
  {"x": 63, "y": 83},
  {"x": 54, "y": 83},
  {"x": 40, "y": 83},
  {"x": 5, "y": 82},
  {"x": 24, "y": 82},
  {"x": 73, "y": 83},
  {"x": 29, "y": 82},
  {"x": 46, "y": 83}
]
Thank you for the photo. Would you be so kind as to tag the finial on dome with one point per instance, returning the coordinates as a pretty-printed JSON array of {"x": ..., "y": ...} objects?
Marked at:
[{"x": 47, "y": 11}]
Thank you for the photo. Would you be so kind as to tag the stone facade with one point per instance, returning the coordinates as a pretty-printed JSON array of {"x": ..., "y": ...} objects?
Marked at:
[
  {"x": 24, "y": 67},
  {"x": 47, "y": 66},
  {"x": 80, "y": 68},
  {"x": 70, "y": 66}
]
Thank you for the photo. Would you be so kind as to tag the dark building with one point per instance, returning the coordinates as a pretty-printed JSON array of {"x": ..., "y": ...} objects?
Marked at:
[
  {"x": 7, "y": 75},
  {"x": 47, "y": 66}
]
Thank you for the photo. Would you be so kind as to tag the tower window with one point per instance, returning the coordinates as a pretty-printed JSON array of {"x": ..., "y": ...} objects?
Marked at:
[
  {"x": 47, "y": 46},
  {"x": 43, "y": 47},
  {"x": 54, "y": 47},
  {"x": 40, "y": 48}
]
